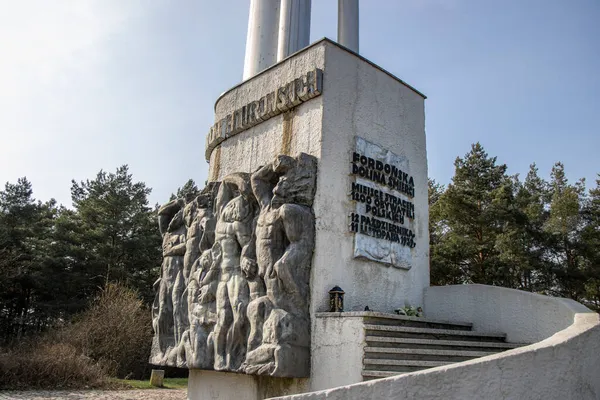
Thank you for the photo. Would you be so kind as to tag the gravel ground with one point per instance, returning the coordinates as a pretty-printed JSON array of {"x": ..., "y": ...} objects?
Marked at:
[{"x": 146, "y": 394}]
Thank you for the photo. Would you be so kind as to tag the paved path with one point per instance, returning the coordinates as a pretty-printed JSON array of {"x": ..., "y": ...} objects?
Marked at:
[{"x": 147, "y": 394}]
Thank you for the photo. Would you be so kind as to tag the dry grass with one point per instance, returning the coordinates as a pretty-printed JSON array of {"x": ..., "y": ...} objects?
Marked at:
[
  {"x": 169, "y": 383},
  {"x": 44, "y": 365},
  {"x": 111, "y": 339}
]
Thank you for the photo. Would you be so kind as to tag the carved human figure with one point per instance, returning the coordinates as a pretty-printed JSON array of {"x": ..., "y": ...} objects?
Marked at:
[
  {"x": 190, "y": 257},
  {"x": 202, "y": 288},
  {"x": 199, "y": 221},
  {"x": 278, "y": 343},
  {"x": 200, "y": 236},
  {"x": 172, "y": 228},
  {"x": 193, "y": 235},
  {"x": 233, "y": 232},
  {"x": 233, "y": 292}
]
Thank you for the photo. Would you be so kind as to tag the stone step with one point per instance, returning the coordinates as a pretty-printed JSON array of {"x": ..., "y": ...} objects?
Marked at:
[
  {"x": 373, "y": 374},
  {"x": 429, "y": 333},
  {"x": 380, "y": 318},
  {"x": 417, "y": 343},
  {"x": 375, "y": 318},
  {"x": 403, "y": 363},
  {"x": 424, "y": 354},
  {"x": 399, "y": 366}
]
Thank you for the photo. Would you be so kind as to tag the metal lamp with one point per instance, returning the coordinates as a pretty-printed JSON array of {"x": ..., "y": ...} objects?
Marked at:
[{"x": 336, "y": 299}]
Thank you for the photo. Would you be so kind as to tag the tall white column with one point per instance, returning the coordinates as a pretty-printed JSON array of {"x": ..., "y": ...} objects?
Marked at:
[
  {"x": 294, "y": 27},
  {"x": 348, "y": 24},
  {"x": 261, "y": 42}
]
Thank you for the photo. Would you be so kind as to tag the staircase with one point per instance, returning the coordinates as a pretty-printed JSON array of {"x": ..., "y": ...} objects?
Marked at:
[{"x": 399, "y": 344}]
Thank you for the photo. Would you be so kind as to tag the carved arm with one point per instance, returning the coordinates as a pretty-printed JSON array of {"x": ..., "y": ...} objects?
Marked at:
[{"x": 298, "y": 223}]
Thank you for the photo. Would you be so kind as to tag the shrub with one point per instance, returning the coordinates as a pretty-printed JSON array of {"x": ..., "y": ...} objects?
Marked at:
[
  {"x": 42, "y": 365},
  {"x": 112, "y": 338},
  {"x": 115, "y": 331}
]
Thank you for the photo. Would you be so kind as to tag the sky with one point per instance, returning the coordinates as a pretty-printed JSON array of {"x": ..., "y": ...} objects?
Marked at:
[{"x": 87, "y": 85}]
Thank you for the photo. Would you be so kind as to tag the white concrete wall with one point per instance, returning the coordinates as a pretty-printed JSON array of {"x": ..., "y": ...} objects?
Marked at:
[
  {"x": 210, "y": 385},
  {"x": 362, "y": 100},
  {"x": 357, "y": 99},
  {"x": 524, "y": 317},
  {"x": 337, "y": 351},
  {"x": 288, "y": 133},
  {"x": 204, "y": 385},
  {"x": 564, "y": 366}
]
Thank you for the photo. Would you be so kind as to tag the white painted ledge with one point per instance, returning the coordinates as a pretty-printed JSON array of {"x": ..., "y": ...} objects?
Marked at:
[{"x": 565, "y": 365}]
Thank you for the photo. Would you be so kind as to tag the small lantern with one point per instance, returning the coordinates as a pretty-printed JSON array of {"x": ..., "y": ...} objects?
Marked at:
[{"x": 336, "y": 299}]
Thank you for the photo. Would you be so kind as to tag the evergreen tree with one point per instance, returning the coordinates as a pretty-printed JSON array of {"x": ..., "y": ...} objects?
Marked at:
[
  {"x": 442, "y": 270},
  {"x": 590, "y": 238},
  {"x": 564, "y": 226},
  {"x": 25, "y": 236},
  {"x": 473, "y": 211},
  {"x": 117, "y": 231},
  {"x": 189, "y": 191},
  {"x": 522, "y": 244}
]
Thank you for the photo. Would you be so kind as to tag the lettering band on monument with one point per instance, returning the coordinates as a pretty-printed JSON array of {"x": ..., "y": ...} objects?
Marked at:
[{"x": 284, "y": 98}]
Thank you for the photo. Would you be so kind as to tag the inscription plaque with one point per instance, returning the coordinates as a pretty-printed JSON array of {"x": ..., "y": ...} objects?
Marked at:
[{"x": 384, "y": 214}]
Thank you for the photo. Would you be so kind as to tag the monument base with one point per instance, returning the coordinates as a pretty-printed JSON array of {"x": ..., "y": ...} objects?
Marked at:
[
  {"x": 205, "y": 385},
  {"x": 365, "y": 130}
]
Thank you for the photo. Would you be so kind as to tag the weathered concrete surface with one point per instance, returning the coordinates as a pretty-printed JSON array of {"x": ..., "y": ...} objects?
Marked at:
[
  {"x": 362, "y": 100},
  {"x": 203, "y": 385},
  {"x": 358, "y": 99},
  {"x": 564, "y": 366},
  {"x": 524, "y": 317},
  {"x": 337, "y": 351},
  {"x": 234, "y": 289},
  {"x": 288, "y": 133}
]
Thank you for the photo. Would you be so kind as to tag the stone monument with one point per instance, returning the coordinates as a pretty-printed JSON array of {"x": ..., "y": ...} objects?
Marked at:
[
  {"x": 234, "y": 290},
  {"x": 317, "y": 178}
]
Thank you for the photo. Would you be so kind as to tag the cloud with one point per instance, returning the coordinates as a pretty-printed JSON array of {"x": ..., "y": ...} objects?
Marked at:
[
  {"x": 43, "y": 39},
  {"x": 51, "y": 51}
]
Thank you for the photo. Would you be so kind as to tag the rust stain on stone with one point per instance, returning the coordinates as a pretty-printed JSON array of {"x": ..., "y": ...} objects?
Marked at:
[
  {"x": 216, "y": 164},
  {"x": 286, "y": 136}
]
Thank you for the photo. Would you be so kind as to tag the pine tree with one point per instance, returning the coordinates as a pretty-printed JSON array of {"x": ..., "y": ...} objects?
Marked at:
[
  {"x": 443, "y": 270},
  {"x": 117, "y": 230},
  {"x": 564, "y": 226},
  {"x": 189, "y": 191},
  {"x": 25, "y": 236},
  {"x": 473, "y": 211},
  {"x": 590, "y": 238},
  {"x": 522, "y": 244}
]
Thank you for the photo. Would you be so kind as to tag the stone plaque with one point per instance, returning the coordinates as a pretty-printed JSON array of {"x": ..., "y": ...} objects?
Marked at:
[{"x": 383, "y": 218}]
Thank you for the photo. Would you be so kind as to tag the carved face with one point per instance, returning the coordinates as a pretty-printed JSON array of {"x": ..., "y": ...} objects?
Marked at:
[{"x": 280, "y": 192}]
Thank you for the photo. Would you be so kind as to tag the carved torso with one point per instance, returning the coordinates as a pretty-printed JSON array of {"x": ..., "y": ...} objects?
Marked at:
[
  {"x": 230, "y": 248},
  {"x": 270, "y": 239}
]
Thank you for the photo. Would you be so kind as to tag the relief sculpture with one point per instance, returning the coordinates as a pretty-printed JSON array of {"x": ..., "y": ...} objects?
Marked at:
[{"x": 234, "y": 288}]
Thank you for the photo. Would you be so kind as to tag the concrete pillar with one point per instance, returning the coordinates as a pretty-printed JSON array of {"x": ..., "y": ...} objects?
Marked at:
[
  {"x": 348, "y": 24},
  {"x": 261, "y": 42},
  {"x": 294, "y": 27}
]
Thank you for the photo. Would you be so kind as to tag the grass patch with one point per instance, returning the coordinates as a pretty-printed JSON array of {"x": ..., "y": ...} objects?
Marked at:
[{"x": 169, "y": 383}]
